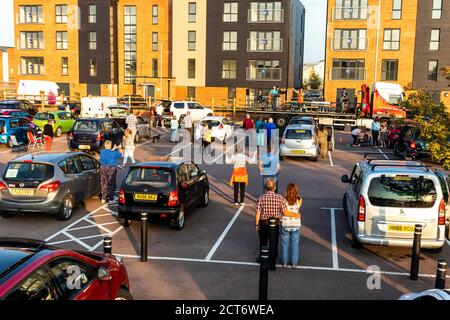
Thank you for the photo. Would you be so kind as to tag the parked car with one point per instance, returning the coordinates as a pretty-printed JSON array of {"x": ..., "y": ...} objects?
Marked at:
[
  {"x": 53, "y": 183},
  {"x": 393, "y": 135},
  {"x": 119, "y": 114},
  {"x": 179, "y": 109},
  {"x": 162, "y": 189},
  {"x": 222, "y": 128},
  {"x": 444, "y": 180},
  {"x": 23, "y": 105},
  {"x": 96, "y": 107},
  {"x": 300, "y": 140},
  {"x": 12, "y": 126},
  {"x": 16, "y": 113},
  {"x": 63, "y": 121},
  {"x": 136, "y": 100},
  {"x": 385, "y": 199},
  {"x": 34, "y": 270},
  {"x": 427, "y": 295},
  {"x": 90, "y": 134}
]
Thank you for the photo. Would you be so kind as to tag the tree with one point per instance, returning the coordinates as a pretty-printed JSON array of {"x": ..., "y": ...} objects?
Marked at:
[
  {"x": 314, "y": 81},
  {"x": 446, "y": 72}
]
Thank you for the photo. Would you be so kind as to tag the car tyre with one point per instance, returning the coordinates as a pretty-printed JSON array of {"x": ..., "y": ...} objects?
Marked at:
[
  {"x": 178, "y": 223},
  {"x": 205, "y": 198},
  {"x": 7, "y": 214},
  {"x": 10, "y": 144},
  {"x": 435, "y": 250},
  {"x": 58, "y": 131},
  {"x": 315, "y": 159},
  {"x": 355, "y": 243},
  {"x": 66, "y": 210},
  {"x": 123, "y": 294}
]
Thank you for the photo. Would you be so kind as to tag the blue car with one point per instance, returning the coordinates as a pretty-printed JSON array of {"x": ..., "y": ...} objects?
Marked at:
[{"x": 11, "y": 126}]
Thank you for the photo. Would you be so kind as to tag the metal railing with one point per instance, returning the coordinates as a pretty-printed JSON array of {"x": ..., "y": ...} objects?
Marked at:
[
  {"x": 265, "y": 15},
  {"x": 347, "y": 74},
  {"x": 349, "y": 44},
  {"x": 263, "y": 74},
  {"x": 350, "y": 13},
  {"x": 264, "y": 45}
]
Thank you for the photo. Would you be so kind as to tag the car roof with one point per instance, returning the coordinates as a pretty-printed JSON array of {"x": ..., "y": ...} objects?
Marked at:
[
  {"x": 7, "y": 116},
  {"x": 159, "y": 164},
  {"x": 47, "y": 157},
  {"x": 300, "y": 126},
  {"x": 10, "y": 102},
  {"x": 395, "y": 166},
  {"x": 212, "y": 118},
  {"x": 94, "y": 119},
  {"x": 53, "y": 112},
  {"x": 10, "y": 257}
]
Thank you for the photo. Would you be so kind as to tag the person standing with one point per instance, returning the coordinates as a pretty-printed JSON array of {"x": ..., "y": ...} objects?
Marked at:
[
  {"x": 290, "y": 226},
  {"x": 188, "y": 125},
  {"x": 274, "y": 96},
  {"x": 270, "y": 129},
  {"x": 383, "y": 134},
  {"x": 159, "y": 115},
  {"x": 323, "y": 141},
  {"x": 108, "y": 171},
  {"x": 48, "y": 134},
  {"x": 375, "y": 130},
  {"x": 174, "y": 129},
  {"x": 269, "y": 167},
  {"x": 248, "y": 122},
  {"x": 131, "y": 122},
  {"x": 259, "y": 98},
  {"x": 299, "y": 93},
  {"x": 269, "y": 205},
  {"x": 128, "y": 147},
  {"x": 239, "y": 178},
  {"x": 259, "y": 125}
]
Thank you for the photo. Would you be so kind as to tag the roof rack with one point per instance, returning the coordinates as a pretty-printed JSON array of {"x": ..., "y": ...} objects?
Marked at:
[
  {"x": 376, "y": 153},
  {"x": 23, "y": 243},
  {"x": 402, "y": 165}
]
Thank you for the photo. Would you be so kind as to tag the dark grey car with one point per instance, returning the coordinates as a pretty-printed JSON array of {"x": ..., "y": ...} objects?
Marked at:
[{"x": 51, "y": 183}]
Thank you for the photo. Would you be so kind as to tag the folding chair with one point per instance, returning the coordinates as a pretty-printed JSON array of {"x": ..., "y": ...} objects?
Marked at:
[{"x": 34, "y": 141}]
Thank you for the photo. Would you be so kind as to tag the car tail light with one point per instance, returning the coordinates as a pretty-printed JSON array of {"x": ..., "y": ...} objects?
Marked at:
[
  {"x": 173, "y": 198},
  {"x": 3, "y": 186},
  {"x": 362, "y": 209},
  {"x": 441, "y": 215},
  {"x": 71, "y": 136},
  {"x": 171, "y": 113},
  {"x": 163, "y": 215},
  {"x": 99, "y": 136},
  {"x": 122, "y": 196},
  {"x": 412, "y": 144},
  {"x": 283, "y": 140},
  {"x": 221, "y": 126},
  {"x": 50, "y": 187}
]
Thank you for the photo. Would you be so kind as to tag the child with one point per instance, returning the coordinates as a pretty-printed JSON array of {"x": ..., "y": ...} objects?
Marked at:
[
  {"x": 174, "y": 129},
  {"x": 128, "y": 146},
  {"x": 207, "y": 138}
]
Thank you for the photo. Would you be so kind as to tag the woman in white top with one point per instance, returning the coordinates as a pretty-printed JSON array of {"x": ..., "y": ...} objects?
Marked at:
[
  {"x": 239, "y": 178},
  {"x": 174, "y": 129},
  {"x": 290, "y": 226}
]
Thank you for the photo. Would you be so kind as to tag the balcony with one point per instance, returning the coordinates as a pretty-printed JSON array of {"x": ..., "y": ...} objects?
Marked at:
[
  {"x": 349, "y": 44},
  {"x": 266, "y": 15},
  {"x": 263, "y": 74},
  {"x": 350, "y": 13},
  {"x": 264, "y": 45},
  {"x": 350, "y": 73}
]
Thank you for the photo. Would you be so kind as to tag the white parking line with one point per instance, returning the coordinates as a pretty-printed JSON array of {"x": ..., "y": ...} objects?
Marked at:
[
  {"x": 334, "y": 248},
  {"x": 331, "y": 159},
  {"x": 92, "y": 226},
  {"x": 72, "y": 238},
  {"x": 224, "y": 233},
  {"x": 226, "y": 151},
  {"x": 112, "y": 234},
  {"x": 448, "y": 242},
  {"x": 183, "y": 147},
  {"x": 385, "y": 156},
  {"x": 98, "y": 225},
  {"x": 77, "y": 240}
]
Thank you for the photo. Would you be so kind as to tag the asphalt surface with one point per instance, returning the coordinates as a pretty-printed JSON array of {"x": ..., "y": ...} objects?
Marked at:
[{"x": 213, "y": 257}]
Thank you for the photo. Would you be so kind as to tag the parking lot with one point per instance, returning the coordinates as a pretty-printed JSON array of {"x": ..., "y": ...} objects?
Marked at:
[{"x": 213, "y": 257}]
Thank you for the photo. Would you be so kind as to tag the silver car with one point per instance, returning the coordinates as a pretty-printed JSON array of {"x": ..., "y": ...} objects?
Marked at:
[
  {"x": 385, "y": 199},
  {"x": 300, "y": 140},
  {"x": 427, "y": 295},
  {"x": 119, "y": 114},
  {"x": 50, "y": 183}
]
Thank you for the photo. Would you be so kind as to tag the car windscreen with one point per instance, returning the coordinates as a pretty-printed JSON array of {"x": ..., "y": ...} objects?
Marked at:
[
  {"x": 213, "y": 123},
  {"x": 402, "y": 191},
  {"x": 44, "y": 116},
  {"x": 298, "y": 134},
  {"x": 25, "y": 171},
  {"x": 300, "y": 121},
  {"x": 154, "y": 177},
  {"x": 86, "y": 126}
]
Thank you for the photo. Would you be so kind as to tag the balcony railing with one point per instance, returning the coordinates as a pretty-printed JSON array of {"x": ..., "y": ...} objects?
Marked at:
[
  {"x": 264, "y": 74},
  {"x": 349, "y": 44},
  {"x": 266, "y": 15},
  {"x": 350, "y": 13},
  {"x": 347, "y": 74},
  {"x": 264, "y": 45}
]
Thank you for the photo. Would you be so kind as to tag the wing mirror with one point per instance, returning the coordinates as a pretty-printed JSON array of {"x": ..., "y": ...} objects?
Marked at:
[
  {"x": 103, "y": 274},
  {"x": 203, "y": 172},
  {"x": 345, "y": 179}
]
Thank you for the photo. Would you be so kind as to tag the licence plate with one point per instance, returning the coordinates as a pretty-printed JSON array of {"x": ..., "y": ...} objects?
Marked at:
[
  {"x": 145, "y": 197},
  {"x": 396, "y": 228},
  {"x": 21, "y": 192},
  {"x": 297, "y": 151},
  {"x": 84, "y": 147}
]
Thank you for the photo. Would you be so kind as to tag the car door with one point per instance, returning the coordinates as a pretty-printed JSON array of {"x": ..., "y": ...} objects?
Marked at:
[
  {"x": 352, "y": 196},
  {"x": 65, "y": 121},
  {"x": 142, "y": 127},
  {"x": 36, "y": 286},
  {"x": 185, "y": 185},
  {"x": 116, "y": 133},
  {"x": 227, "y": 126},
  {"x": 76, "y": 181},
  {"x": 196, "y": 187},
  {"x": 15, "y": 129},
  {"x": 91, "y": 174},
  {"x": 24, "y": 125}
]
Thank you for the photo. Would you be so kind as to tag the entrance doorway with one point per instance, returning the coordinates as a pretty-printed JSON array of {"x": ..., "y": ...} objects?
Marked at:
[{"x": 149, "y": 91}]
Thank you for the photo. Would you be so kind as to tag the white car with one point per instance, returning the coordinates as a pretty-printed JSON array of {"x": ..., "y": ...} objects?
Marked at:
[
  {"x": 179, "y": 109},
  {"x": 222, "y": 128}
]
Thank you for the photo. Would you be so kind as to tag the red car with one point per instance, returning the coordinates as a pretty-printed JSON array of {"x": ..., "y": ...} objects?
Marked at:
[
  {"x": 16, "y": 113},
  {"x": 33, "y": 270}
]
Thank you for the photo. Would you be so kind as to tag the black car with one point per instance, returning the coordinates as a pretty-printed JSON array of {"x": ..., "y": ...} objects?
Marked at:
[
  {"x": 90, "y": 134},
  {"x": 162, "y": 189},
  {"x": 23, "y": 105},
  {"x": 410, "y": 144}
]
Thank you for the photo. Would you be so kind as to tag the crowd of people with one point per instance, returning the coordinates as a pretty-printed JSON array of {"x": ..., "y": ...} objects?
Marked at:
[{"x": 379, "y": 134}]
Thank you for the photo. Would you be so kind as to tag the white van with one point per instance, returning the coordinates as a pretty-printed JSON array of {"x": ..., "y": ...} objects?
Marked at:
[
  {"x": 97, "y": 107},
  {"x": 31, "y": 90}
]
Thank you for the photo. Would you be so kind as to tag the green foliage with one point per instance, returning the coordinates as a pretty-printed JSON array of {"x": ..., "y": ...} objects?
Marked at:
[
  {"x": 421, "y": 105},
  {"x": 314, "y": 81}
]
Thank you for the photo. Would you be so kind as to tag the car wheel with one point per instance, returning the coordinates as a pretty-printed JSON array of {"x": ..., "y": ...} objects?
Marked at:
[
  {"x": 435, "y": 250},
  {"x": 123, "y": 294},
  {"x": 315, "y": 159},
  {"x": 205, "y": 198},
  {"x": 10, "y": 144},
  {"x": 58, "y": 131},
  {"x": 355, "y": 243},
  {"x": 66, "y": 210},
  {"x": 125, "y": 222},
  {"x": 136, "y": 138},
  {"x": 178, "y": 224}
]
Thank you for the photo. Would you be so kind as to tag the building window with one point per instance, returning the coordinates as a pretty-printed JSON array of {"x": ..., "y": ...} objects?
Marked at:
[
  {"x": 391, "y": 39},
  {"x": 389, "y": 70},
  {"x": 32, "y": 66},
  {"x": 264, "y": 70},
  {"x": 93, "y": 67},
  {"x": 31, "y": 40},
  {"x": 30, "y": 14},
  {"x": 229, "y": 41},
  {"x": 432, "y": 70},
  {"x": 230, "y": 12},
  {"x": 434, "y": 40},
  {"x": 266, "y": 12},
  {"x": 265, "y": 41},
  {"x": 350, "y": 39},
  {"x": 92, "y": 13},
  {"x": 155, "y": 41},
  {"x": 93, "y": 40},
  {"x": 351, "y": 10},
  {"x": 64, "y": 66},
  {"x": 130, "y": 44},
  {"x": 347, "y": 69},
  {"x": 229, "y": 69},
  {"x": 191, "y": 40},
  {"x": 191, "y": 92},
  {"x": 396, "y": 9},
  {"x": 155, "y": 68},
  {"x": 61, "y": 13},
  {"x": 437, "y": 9},
  {"x": 191, "y": 68},
  {"x": 61, "y": 40},
  {"x": 192, "y": 12},
  {"x": 155, "y": 14}
]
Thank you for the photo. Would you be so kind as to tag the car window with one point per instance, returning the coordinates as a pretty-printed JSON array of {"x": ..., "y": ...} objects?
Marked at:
[
  {"x": 116, "y": 126},
  {"x": 298, "y": 134},
  {"x": 140, "y": 120},
  {"x": 443, "y": 186},
  {"x": 199, "y": 106},
  {"x": 40, "y": 116},
  {"x": 71, "y": 276},
  {"x": 86, "y": 126},
  {"x": 70, "y": 166},
  {"x": 225, "y": 122},
  {"x": 194, "y": 171},
  {"x": 107, "y": 126},
  {"x": 14, "y": 123},
  {"x": 183, "y": 173},
  {"x": 155, "y": 177},
  {"x": 24, "y": 122},
  {"x": 51, "y": 116},
  {"x": 63, "y": 116},
  {"x": 24, "y": 171},
  {"x": 192, "y": 105},
  {"x": 88, "y": 163},
  {"x": 36, "y": 286},
  {"x": 178, "y": 105},
  {"x": 355, "y": 178}
]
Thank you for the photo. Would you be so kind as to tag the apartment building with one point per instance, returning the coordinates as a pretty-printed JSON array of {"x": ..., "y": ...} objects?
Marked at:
[
  {"x": 7, "y": 75},
  {"x": 368, "y": 41}
]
